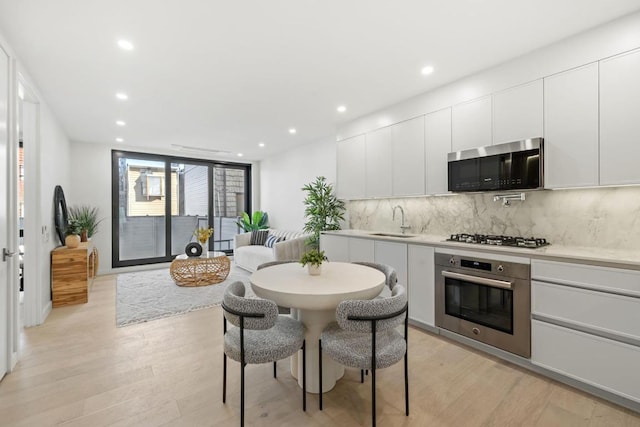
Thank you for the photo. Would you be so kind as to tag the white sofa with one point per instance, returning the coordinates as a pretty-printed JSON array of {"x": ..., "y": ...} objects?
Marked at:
[{"x": 249, "y": 257}]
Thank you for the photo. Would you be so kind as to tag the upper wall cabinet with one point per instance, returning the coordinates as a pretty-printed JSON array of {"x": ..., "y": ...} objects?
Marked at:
[
  {"x": 408, "y": 158},
  {"x": 378, "y": 163},
  {"x": 571, "y": 128},
  {"x": 437, "y": 136},
  {"x": 619, "y": 124},
  {"x": 350, "y": 172},
  {"x": 517, "y": 113},
  {"x": 471, "y": 124}
]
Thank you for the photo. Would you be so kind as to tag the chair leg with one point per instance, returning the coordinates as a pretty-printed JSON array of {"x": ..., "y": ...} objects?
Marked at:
[
  {"x": 224, "y": 378},
  {"x": 320, "y": 371},
  {"x": 274, "y": 370},
  {"x": 242, "y": 365},
  {"x": 304, "y": 376},
  {"x": 361, "y": 376},
  {"x": 406, "y": 384},
  {"x": 373, "y": 396}
]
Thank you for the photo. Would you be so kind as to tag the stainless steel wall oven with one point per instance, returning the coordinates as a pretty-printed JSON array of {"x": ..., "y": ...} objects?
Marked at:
[{"x": 486, "y": 300}]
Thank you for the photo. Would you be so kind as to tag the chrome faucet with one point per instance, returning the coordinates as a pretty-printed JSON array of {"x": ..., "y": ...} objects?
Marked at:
[{"x": 402, "y": 226}]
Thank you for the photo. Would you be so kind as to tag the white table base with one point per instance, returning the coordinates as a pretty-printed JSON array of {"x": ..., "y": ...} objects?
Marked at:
[{"x": 315, "y": 321}]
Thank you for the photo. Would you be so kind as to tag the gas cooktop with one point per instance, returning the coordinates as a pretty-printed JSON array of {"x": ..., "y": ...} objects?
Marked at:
[{"x": 488, "y": 239}]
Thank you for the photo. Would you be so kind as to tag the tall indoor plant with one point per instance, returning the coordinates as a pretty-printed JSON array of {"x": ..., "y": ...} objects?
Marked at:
[{"x": 323, "y": 210}]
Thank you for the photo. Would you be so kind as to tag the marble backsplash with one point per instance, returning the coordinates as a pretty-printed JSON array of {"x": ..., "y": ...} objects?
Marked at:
[{"x": 601, "y": 217}]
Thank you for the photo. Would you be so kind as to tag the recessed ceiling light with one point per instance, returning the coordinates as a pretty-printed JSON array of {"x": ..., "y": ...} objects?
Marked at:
[
  {"x": 240, "y": 154},
  {"x": 125, "y": 44},
  {"x": 341, "y": 109},
  {"x": 427, "y": 70},
  {"x": 120, "y": 123},
  {"x": 119, "y": 140},
  {"x": 292, "y": 131},
  {"x": 123, "y": 96},
  {"x": 261, "y": 144}
]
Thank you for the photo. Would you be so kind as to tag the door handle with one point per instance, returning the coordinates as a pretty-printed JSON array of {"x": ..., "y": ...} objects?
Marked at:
[
  {"x": 6, "y": 254},
  {"x": 479, "y": 280}
]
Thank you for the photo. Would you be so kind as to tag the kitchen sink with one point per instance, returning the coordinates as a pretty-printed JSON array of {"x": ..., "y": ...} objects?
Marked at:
[{"x": 392, "y": 235}]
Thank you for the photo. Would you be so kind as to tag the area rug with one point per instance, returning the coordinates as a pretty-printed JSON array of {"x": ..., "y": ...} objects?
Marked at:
[{"x": 148, "y": 295}]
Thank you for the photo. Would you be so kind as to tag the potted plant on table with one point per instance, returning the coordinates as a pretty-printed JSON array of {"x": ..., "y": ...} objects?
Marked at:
[
  {"x": 313, "y": 259},
  {"x": 87, "y": 219},
  {"x": 203, "y": 234},
  {"x": 323, "y": 210},
  {"x": 72, "y": 231}
]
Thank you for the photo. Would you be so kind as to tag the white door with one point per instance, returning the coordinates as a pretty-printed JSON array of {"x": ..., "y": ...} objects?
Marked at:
[{"x": 4, "y": 197}]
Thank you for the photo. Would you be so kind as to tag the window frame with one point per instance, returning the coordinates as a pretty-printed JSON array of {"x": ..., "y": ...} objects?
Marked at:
[{"x": 166, "y": 191}]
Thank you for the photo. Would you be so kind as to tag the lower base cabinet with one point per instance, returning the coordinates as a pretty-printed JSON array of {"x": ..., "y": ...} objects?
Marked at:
[
  {"x": 421, "y": 284},
  {"x": 610, "y": 365}
]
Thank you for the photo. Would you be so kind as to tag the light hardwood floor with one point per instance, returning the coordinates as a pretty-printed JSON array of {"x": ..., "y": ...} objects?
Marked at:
[{"x": 78, "y": 369}]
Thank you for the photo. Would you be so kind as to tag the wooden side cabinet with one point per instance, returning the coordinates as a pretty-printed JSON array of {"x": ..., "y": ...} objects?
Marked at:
[{"x": 72, "y": 273}]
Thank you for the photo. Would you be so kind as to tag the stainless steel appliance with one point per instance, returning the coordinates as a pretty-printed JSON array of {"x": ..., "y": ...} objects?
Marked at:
[
  {"x": 495, "y": 240},
  {"x": 486, "y": 300},
  {"x": 511, "y": 166}
]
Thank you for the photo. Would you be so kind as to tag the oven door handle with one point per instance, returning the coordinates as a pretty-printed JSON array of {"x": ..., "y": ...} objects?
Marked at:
[{"x": 479, "y": 280}]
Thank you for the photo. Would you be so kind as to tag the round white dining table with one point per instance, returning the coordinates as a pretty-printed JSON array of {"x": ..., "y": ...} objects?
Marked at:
[{"x": 313, "y": 300}]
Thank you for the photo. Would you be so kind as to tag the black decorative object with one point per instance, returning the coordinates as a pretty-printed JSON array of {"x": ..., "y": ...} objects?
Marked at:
[
  {"x": 61, "y": 214},
  {"x": 193, "y": 249}
]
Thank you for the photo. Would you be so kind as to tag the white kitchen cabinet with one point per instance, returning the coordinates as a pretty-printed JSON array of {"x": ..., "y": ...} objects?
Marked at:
[
  {"x": 518, "y": 113},
  {"x": 336, "y": 248},
  {"x": 421, "y": 288},
  {"x": 361, "y": 250},
  {"x": 600, "y": 362},
  {"x": 571, "y": 128},
  {"x": 350, "y": 155},
  {"x": 619, "y": 124},
  {"x": 471, "y": 124},
  {"x": 586, "y": 324},
  {"x": 437, "y": 140},
  {"x": 378, "y": 163},
  {"x": 395, "y": 255},
  {"x": 408, "y": 158}
]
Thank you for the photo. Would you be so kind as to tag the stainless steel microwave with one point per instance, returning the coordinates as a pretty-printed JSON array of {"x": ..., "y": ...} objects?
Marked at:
[{"x": 511, "y": 166}]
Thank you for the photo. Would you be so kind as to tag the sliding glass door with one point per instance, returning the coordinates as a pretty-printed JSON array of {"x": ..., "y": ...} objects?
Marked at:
[{"x": 159, "y": 201}]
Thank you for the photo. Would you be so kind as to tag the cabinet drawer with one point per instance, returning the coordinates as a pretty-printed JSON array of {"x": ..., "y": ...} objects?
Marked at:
[
  {"x": 615, "y": 314},
  {"x": 603, "y": 363},
  {"x": 600, "y": 278}
]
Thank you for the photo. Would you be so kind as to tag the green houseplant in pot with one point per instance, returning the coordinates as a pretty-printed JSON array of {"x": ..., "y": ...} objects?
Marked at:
[
  {"x": 87, "y": 219},
  {"x": 258, "y": 221},
  {"x": 72, "y": 232},
  {"x": 313, "y": 259},
  {"x": 323, "y": 210}
]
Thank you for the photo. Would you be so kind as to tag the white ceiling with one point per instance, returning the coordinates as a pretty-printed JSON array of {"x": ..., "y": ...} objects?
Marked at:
[{"x": 229, "y": 74}]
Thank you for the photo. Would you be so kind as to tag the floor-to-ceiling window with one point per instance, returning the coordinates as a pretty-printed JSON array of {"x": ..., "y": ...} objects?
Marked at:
[{"x": 159, "y": 201}]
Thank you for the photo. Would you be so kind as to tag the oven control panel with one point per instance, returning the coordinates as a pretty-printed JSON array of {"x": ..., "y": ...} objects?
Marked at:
[{"x": 479, "y": 265}]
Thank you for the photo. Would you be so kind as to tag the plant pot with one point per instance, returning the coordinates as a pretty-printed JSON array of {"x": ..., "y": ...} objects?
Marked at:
[
  {"x": 83, "y": 236},
  {"x": 314, "y": 270},
  {"x": 72, "y": 241}
]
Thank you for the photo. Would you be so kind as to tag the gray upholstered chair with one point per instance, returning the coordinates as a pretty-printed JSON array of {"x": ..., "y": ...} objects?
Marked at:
[
  {"x": 281, "y": 310},
  {"x": 391, "y": 278},
  {"x": 365, "y": 337},
  {"x": 258, "y": 335}
]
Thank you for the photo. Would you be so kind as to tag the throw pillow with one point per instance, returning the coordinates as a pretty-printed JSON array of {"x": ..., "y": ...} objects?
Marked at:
[
  {"x": 272, "y": 240},
  {"x": 258, "y": 237}
]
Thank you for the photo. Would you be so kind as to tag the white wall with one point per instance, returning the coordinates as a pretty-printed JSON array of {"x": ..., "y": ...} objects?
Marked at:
[
  {"x": 608, "y": 40},
  {"x": 283, "y": 175},
  {"x": 55, "y": 169}
]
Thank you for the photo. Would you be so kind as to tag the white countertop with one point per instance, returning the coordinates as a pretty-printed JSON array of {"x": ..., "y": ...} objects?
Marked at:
[{"x": 616, "y": 258}]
